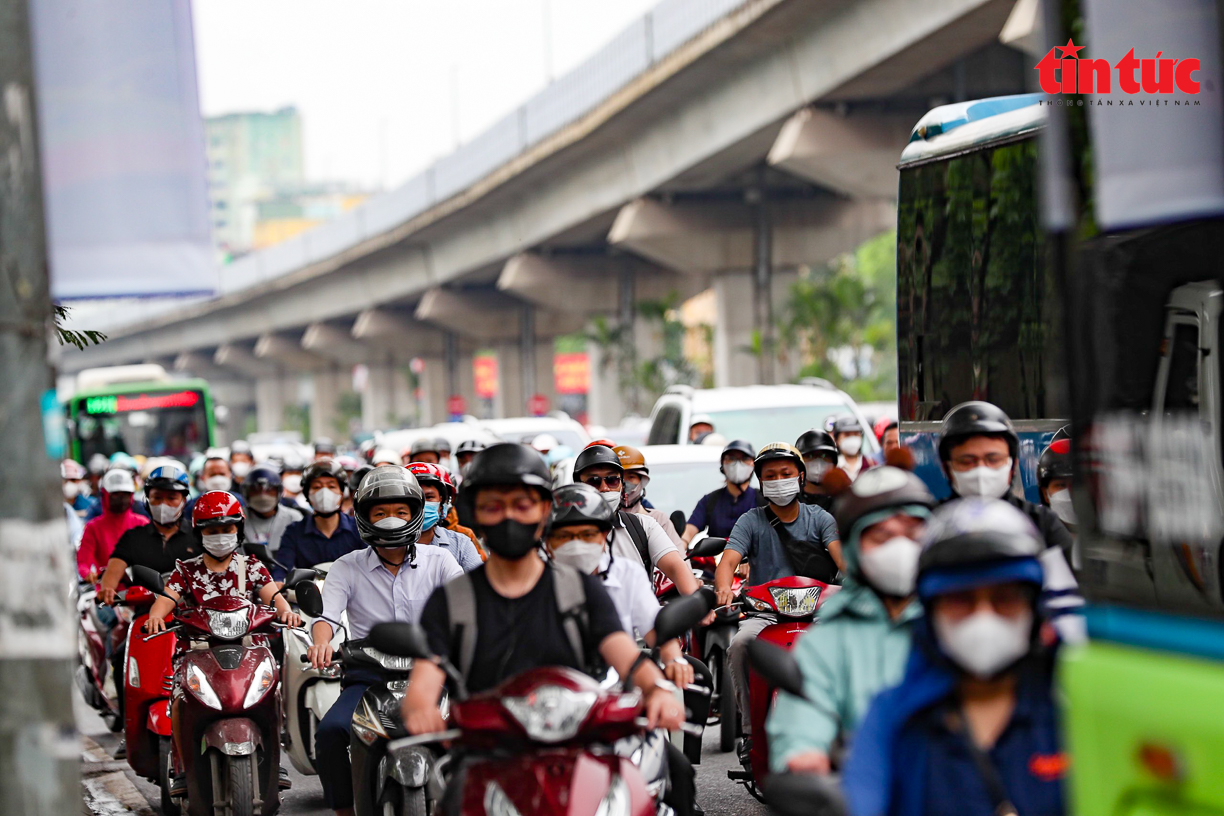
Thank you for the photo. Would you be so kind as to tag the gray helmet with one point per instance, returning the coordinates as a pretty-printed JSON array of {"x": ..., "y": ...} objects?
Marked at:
[
  {"x": 846, "y": 423},
  {"x": 470, "y": 446},
  {"x": 968, "y": 541},
  {"x": 877, "y": 494},
  {"x": 426, "y": 444},
  {"x": 389, "y": 483},
  {"x": 580, "y": 504}
]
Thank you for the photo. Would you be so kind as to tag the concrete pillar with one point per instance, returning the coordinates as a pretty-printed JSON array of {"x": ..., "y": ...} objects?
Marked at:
[
  {"x": 433, "y": 393},
  {"x": 733, "y": 364},
  {"x": 510, "y": 400},
  {"x": 326, "y": 387},
  {"x": 612, "y": 394},
  {"x": 273, "y": 393},
  {"x": 387, "y": 400}
]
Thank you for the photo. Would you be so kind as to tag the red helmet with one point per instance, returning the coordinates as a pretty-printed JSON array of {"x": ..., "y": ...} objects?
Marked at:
[
  {"x": 427, "y": 473},
  {"x": 607, "y": 443},
  {"x": 217, "y": 507}
]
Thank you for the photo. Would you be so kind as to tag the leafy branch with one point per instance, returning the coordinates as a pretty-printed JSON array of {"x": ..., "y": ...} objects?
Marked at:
[{"x": 73, "y": 337}]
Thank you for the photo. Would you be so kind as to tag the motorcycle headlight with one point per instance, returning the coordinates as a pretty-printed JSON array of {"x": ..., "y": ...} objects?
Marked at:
[
  {"x": 616, "y": 802},
  {"x": 497, "y": 803},
  {"x": 795, "y": 602},
  {"x": 389, "y": 662},
  {"x": 366, "y": 725},
  {"x": 551, "y": 713},
  {"x": 264, "y": 679},
  {"x": 198, "y": 685},
  {"x": 228, "y": 625},
  {"x": 760, "y": 606}
]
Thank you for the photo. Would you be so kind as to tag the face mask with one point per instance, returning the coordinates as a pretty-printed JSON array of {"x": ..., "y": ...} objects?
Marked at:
[
  {"x": 612, "y": 498},
  {"x": 583, "y": 556},
  {"x": 851, "y": 445},
  {"x": 511, "y": 539},
  {"x": 737, "y": 472},
  {"x": 984, "y": 643},
  {"x": 325, "y": 501},
  {"x": 71, "y": 490},
  {"x": 816, "y": 470},
  {"x": 85, "y": 489},
  {"x": 165, "y": 514},
  {"x": 240, "y": 469},
  {"x": 293, "y": 483},
  {"x": 220, "y": 545},
  {"x": 892, "y": 567},
  {"x": 391, "y": 523},
  {"x": 433, "y": 513},
  {"x": 633, "y": 494},
  {"x": 119, "y": 502},
  {"x": 217, "y": 483},
  {"x": 1060, "y": 503},
  {"x": 781, "y": 491},
  {"x": 983, "y": 482},
  {"x": 262, "y": 502}
]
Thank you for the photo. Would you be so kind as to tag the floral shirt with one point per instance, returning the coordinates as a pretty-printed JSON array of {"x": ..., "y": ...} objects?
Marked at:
[{"x": 204, "y": 584}]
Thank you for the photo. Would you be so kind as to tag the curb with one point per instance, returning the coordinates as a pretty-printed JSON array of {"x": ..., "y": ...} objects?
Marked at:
[{"x": 105, "y": 786}]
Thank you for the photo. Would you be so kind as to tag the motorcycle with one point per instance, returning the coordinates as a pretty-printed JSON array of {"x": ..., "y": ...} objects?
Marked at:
[
  {"x": 540, "y": 742},
  {"x": 790, "y": 604},
  {"x": 96, "y": 675},
  {"x": 225, "y": 707},
  {"x": 307, "y": 692}
]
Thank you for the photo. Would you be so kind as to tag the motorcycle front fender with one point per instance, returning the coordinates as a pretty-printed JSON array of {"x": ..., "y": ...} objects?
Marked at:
[
  {"x": 407, "y": 766},
  {"x": 321, "y": 696},
  {"x": 159, "y": 718},
  {"x": 237, "y": 736}
]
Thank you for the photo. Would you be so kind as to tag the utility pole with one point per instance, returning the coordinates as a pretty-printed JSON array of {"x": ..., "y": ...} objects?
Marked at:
[
  {"x": 762, "y": 277},
  {"x": 39, "y": 752}
]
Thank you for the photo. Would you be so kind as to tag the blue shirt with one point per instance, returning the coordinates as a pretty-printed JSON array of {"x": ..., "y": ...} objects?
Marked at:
[
  {"x": 458, "y": 545},
  {"x": 303, "y": 545},
  {"x": 753, "y": 538},
  {"x": 717, "y": 512},
  {"x": 361, "y": 585}
]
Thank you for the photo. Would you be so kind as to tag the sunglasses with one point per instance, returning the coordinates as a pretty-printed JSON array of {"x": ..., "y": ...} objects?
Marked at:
[{"x": 614, "y": 481}]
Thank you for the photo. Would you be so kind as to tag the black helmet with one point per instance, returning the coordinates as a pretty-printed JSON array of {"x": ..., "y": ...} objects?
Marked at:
[
  {"x": 360, "y": 473},
  {"x": 741, "y": 445},
  {"x": 469, "y": 446},
  {"x": 323, "y": 467},
  {"x": 597, "y": 455},
  {"x": 846, "y": 423},
  {"x": 505, "y": 464},
  {"x": 1055, "y": 462},
  {"x": 261, "y": 476},
  {"x": 774, "y": 451},
  {"x": 876, "y": 494},
  {"x": 817, "y": 442},
  {"x": 969, "y": 541},
  {"x": 389, "y": 483},
  {"x": 976, "y": 419},
  {"x": 324, "y": 445},
  {"x": 580, "y": 504},
  {"x": 426, "y": 444}
]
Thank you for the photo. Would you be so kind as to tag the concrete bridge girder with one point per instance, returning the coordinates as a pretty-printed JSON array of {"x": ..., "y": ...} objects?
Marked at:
[
  {"x": 491, "y": 316},
  {"x": 591, "y": 284},
  {"x": 402, "y": 337},
  {"x": 336, "y": 345},
  {"x": 854, "y": 155}
]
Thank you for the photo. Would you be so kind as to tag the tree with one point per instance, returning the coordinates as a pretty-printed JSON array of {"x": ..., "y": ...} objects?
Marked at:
[{"x": 80, "y": 339}]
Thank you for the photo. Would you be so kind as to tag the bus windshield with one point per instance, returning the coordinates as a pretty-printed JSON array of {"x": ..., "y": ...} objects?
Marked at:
[{"x": 154, "y": 422}]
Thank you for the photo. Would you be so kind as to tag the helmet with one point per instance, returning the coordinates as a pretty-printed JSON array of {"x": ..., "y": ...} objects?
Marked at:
[
  {"x": 775, "y": 451},
  {"x": 877, "y": 494},
  {"x": 470, "y": 446},
  {"x": 240, "y": 446},
  {"x": 349, "y": 463},
  {"x": 386, "y": 456},
  {"x": 436, "y": 475},
  {"x": 292, "y": 462},
  {"x": 701, "y": 419},
  {"x": 426, "y": 444},
  {"x": 122, "y": 460},
  {"x": 98, "y": 463},
  {"x": 740, "y": 445},
  {"x": 576, "y": 504},
  {"x": 117, "y": 480},
  {"x": 505, "y": 464},
  {"x": 72, "y": 470},
  {"x": 817, "y": 442},
  {"x": 444, "y": 445},
  {"x": 976, "y": 419},
  {"x": 631, "y": 459},
  {"x": 389, "y": 483},
  {"x": 977, "y": 542},
  {"x": 1055, "y": 462},
  {"x": 881, "y": 427},
  {"x": 604, "y": 441},
  {"x": 168, "y": 477},
  {"x": 846, "y": 423},
  {"x": 324, "y": 445},
  {"x": 217, "y": 507},
  {"x": 262, "y": 477},
  {"x": 597, "y": 455},
  {"x": 323, "y": 467},
  {"x": 357, "y": 475},
  {"x": 544, "y": 442}
]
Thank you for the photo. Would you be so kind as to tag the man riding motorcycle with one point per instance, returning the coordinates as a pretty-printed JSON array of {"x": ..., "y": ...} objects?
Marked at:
[
  {"x": 269, "y": 518},
  {"x": 327, "y": 534},
  {"x": 435, "y": 484}
]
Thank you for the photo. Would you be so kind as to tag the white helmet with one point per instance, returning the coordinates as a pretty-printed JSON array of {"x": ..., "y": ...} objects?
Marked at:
[
  {"x": 544, "y": 442},
  {"x": 118, "y": 480},
  {"x": 385, "y": 456}
]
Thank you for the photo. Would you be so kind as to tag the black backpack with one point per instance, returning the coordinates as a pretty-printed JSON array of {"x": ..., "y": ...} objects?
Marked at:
[{"x": 637, "y": 534}]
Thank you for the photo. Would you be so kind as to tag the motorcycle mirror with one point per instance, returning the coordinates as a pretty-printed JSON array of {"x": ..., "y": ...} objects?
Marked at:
[
  {"x": 309, "y": 598},
  {"x": 299, "y": 575},
  {"x": 777, "y": 666},
  {"x": 680, "y": 615},
  {"x": 678, "y": 521},
  {"x": 401, "y": 640},
  {"x": 260, "y": 551},
  {"x": 801, "y": 794},
  {"x": 148, "y": 578},
  {"x": 708, "y": 547}
]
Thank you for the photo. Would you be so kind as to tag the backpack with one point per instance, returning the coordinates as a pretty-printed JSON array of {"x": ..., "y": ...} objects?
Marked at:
[
  {"x": 637, "y": 534},
  {"x": 805, "y": 559},
  {"x": 571, "y": 603}
]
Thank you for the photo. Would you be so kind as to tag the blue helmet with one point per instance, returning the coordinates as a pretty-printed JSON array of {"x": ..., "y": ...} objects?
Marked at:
[
  {"x": 168, "y": 477},
  {"x": 261, "y": 476}
]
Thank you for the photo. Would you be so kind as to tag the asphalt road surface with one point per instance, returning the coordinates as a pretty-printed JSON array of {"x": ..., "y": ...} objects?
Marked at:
[{"x": 717, "y": 795}]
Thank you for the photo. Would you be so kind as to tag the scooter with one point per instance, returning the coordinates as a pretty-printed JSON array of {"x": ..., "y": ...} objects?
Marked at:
[
  {"x": 96, "y": 675},
  {"x": 307, "y": 692},
  {"x": 539, "y": 743}
]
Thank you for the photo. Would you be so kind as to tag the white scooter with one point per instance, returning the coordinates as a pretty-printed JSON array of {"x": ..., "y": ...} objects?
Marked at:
[{"x": 307, "y": 692}]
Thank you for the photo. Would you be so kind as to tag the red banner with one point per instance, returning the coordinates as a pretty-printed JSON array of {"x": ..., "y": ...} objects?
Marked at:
[
  {"x": 484, "y": 372},
  {"x": 572, "y": 373}
]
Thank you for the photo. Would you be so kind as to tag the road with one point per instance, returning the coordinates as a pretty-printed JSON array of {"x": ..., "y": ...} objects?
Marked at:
[{"x": 716, "y": 794}]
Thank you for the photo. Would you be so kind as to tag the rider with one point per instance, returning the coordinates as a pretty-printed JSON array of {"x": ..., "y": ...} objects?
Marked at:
[
  {"x": 888, "y": 434},
  {"x": 717, "y": 511},
  {"x": 424, "y": 449},
  {"x": 819, "y": 453},
  {"x": 636, "y": 538},
  {"x": 371, "y": 586},
  {"x": 516, "y": 600},
  {"x": 241, "y": 460},
  {"x": 699, "y": 426},
  {"x": 438, "y": 498},
  {"x": 1054, "y": 480},
  {"x": 103, "y": 532},
  {"x": 465, "y": 453},
  {"x": 75, "y": 486},
  {"x": 862, "y": 643},
  {"x": 326, "y": 534},
  {"x": 848, "y": 434},
  {"x": 269, "y": 518},
  {"x": 808, "y": 549},
  {"x": 637, "y": 477},
  {"x": 973, "y": 726},
  {"x": 324, "y": 448},
  {"x": 291, "y": 481}
]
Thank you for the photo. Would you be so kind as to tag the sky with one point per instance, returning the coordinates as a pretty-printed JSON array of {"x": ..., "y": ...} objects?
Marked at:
[{"x": 376, "y": 80}]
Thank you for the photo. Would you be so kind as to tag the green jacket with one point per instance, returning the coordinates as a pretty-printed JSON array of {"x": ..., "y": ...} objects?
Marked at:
[{"x": 853, "y": 653}]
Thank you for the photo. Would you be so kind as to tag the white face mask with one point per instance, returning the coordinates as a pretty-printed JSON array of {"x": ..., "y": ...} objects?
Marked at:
[
  {"x": 262, "y": 502},
  {"x": 817, "y": 469},
  {"x": 1060, "y": 503},
  {"x": 983, "y": 481},
  {"x": 612, "y": 498},
  {"x": 165, "y": 514},
  {"x": 984, "y": 643},
  {"x": 293, "y": 483},
  {"x": 71, "y": 490},
  {"x": 851, "y": 445},
  {"x": 220, "y": 545},
  {"x": 217, "y": 483},
  {"x": 781, "y": 491},
  {"x": 583, "y": 556},
  {"x": 737, "y": 472},
  {"x": 892, "y": 566},
  {"x": 240, "y": 469},
  {"x": 325, "y": 500},
  {"x": 389, "y": 523}
]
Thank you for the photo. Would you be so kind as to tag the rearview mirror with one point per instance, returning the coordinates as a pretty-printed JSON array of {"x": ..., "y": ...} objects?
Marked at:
[
  {"x": 678, "y": 521},
  {"x": 680, "y": 615},
  {"x": 708, "y": 547},
  {"x": 309, "y": 598},
  {"x": 777, "y": 666},
  {"x": 802, "y": 794},
  {"x": 148, "y": 578},
  {"x": 299, "y": 575},
  {"x": 260, "y": 551},
  {"x": 401, "y": 640}
]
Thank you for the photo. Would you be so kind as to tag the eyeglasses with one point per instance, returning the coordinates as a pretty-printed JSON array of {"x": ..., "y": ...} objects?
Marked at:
[
  {"x": 1008, "y": 600},
  {"x": 614, "y": 481},
  {"x": 562, "y": 537},
  {"x": 991, "y": 460}
]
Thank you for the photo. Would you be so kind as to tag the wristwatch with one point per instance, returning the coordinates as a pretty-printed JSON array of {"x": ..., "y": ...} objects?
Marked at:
[
  {"x": 663, "y": 684},
  {"x": 682, "y": 660}
]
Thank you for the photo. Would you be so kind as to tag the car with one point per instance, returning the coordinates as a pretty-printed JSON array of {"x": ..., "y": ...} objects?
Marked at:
[
  {"x": 566, "y": 431},
  {"x": 453, "y": 432},
  {"x": 759, "y": 413}
]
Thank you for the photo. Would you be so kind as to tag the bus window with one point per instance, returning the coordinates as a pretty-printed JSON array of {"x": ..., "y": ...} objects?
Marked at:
[
  {"x": 1182, "y": 388},
  {"x": 153, "y": 422}
]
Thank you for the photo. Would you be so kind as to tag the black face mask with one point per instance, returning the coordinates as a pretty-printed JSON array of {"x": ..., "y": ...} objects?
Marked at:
[
  {"x": 119, "y": 502},
  {"x": 511, "y": 539}
]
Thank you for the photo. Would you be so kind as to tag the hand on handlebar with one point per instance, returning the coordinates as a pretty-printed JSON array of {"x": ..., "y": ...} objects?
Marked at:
[
  {"x": 424, "y": 720},
  {"x": 155, "y": 624},
  {"x": 106, "y": 595},
  {"x": 320, "y": 656},
  {"x": 679, "y": 672},
  {"x": 726, "y": 596},
  {"x": 663, "y": 710},
  {"x": 289, "y": 617}
]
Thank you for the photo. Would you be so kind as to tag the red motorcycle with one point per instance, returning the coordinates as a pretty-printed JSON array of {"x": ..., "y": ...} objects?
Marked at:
[
  {"x": 791, "y": 604},
  {"x": 94, "y": 668},
  {"x": 146, "y": 690},
  {"x": 225, "y": 707}
]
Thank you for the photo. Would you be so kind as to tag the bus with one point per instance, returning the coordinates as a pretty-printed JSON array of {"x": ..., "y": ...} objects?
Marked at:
[{"x": 139, "y": 409}]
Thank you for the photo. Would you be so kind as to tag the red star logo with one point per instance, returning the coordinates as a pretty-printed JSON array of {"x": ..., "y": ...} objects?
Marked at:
[{"x": 1070, "y": 49}]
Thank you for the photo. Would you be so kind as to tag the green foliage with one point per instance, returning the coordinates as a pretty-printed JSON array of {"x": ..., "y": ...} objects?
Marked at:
[
  {"x": 67, "y": 337},
  {"x": 296, "y": 418},
  {"x": 348, "y": 413}
]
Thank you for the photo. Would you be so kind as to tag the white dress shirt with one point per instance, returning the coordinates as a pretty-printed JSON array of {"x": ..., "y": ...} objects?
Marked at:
[
  {"x": 360, "y": 584},
  {"x": 631, "y": 594}
]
